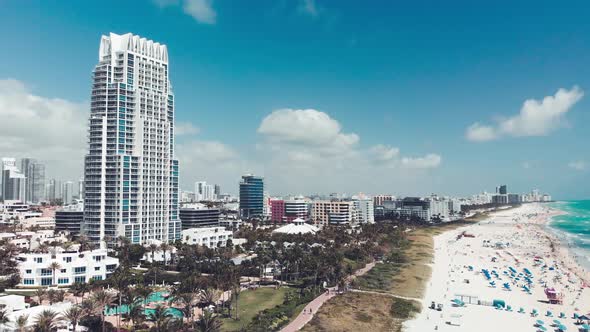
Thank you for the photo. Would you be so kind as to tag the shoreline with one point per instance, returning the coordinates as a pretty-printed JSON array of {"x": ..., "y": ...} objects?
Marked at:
[{"x": 523, "y": 238}]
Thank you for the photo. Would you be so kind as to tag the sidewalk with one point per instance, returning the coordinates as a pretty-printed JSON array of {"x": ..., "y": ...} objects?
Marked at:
[{"x": 305, "y": 316}]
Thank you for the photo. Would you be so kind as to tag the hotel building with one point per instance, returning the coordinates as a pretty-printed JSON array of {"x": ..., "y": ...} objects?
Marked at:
[{"x": 130, "y": 173}]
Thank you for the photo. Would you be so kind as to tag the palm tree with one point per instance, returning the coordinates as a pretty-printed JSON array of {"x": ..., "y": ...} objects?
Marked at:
[
  {"x": 46, "y": 321},
  {"x": 236, "y": 293},
  {"x": 136, "y": 315},
  {"x": 53, "y": 267},
  {"x": 21, "y": 323},
  {"x": 143, "y": 292},
  {"x": 4, "y": 317},
  {"x": 40, "y": 293},
  {"x": 208, "y": 296},
  {"x": 159, "y": 317},
  {"x": 187, "y": 300},
  {"x": 79, "y": 289},
  {"x": 102, "y": 299},
  {"x": 73, "y": 315},
  {"x": 89, "y": 307},
  {"x": 208, "y": 322},
  {"x": 165, "y": 247}
]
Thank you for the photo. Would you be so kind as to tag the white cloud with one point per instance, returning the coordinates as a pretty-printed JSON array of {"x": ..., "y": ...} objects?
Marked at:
[
  {"x": 201, "y": 10},
  {"x": 384, "y": 152},
  {"x": 578, "y": 165},
  {"x": 52, "y": 130},
  {"x": 429, "y": 161},
  {"x": 536, "y": 118},
  {"x": 309, "y": 7},
  {"x": 307, "y": 128},
  {"x": 477, "y": 132},
  {"x": 185, "y": 128},
  {"x": 207, "y": 152}
]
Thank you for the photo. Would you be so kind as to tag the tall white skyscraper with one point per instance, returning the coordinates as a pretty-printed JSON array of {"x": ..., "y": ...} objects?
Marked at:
[
  {"x": 13, "y": 181},
  {"x": 204, "y": 191},
  {"x": 130, "y": 173},
  {"x": 35, "y": 174}
]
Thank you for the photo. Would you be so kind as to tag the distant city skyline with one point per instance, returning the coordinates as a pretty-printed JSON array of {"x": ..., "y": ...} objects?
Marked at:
[{"x": 341, "y": 98}]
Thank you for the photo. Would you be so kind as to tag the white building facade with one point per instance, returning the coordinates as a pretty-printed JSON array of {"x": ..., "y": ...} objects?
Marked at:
[
  {"x": 131, "y": 174},
  {"x": 211, "y": 237},
  {"x": 36, "y": 269},
  {"x": 365, "y": 211}
]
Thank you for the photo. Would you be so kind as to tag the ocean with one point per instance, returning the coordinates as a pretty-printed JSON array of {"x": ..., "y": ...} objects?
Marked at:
[{"x": 573, "y": 228}]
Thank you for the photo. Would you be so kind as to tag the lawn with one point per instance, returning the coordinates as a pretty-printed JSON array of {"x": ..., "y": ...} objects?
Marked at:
[
  {"x": 251, "y": 302},
  {"x": 360, "y": 312}
]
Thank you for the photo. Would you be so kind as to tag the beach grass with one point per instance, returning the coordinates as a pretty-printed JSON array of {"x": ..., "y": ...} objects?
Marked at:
[
  {"x": 361, "y": 312},
  {"x": 251, "y": 302}
]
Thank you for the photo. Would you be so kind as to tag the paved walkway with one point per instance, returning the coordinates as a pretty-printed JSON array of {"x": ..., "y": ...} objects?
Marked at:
[{"x": 312, "y": 307}]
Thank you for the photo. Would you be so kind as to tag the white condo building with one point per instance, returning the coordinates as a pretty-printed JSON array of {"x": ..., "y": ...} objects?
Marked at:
[
  {"x": 364, "y": 209},
  {"x": 36, "y": 269},
  {"x": 204, "y": 191},
  {"x": 130, "y": 173}
]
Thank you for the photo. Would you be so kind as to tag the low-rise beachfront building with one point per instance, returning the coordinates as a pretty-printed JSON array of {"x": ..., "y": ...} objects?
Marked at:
[
  {"x": 298, "y": 226},
  {"x": 332, "y": 212},
  {"x": 38, "y": 270},
  {"x": 211, "y": 237}
]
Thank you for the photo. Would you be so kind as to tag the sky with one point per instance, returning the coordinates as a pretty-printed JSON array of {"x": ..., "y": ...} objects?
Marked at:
[{"x": 321, "y": 96}]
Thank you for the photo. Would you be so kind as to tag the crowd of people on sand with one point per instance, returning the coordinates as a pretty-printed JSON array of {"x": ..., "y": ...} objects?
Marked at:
[{"x": 509, "y": 263}]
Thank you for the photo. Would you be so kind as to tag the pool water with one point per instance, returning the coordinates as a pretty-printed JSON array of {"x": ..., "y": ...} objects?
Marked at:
[{"x": 154, "y": 297}]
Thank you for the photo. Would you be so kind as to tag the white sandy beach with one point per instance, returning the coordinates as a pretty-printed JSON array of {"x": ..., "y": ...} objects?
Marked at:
[{"x": 514, "y": 239}]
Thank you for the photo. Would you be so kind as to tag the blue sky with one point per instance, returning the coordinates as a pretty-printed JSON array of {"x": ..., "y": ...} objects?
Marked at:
[{"x": 407, "y": 79}]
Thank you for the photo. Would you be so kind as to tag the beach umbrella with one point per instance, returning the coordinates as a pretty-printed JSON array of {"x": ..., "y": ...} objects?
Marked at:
[
  {"x": 557, "y": 322},
  {"x": 586, "y": 327},
  {"x": 562, "y": 327},
  {"x": 542, "y": 328},
  {"x": 540, "y": 322},
  {"x": 576, "y": 315}
]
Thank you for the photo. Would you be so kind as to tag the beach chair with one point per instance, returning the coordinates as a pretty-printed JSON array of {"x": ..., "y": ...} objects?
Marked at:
[
  {"x": 549, "y": 314},
  {"x": 509, "y": 308},
  {"x": 561, "y": 315},
  {"x": 521, "y": 310}
]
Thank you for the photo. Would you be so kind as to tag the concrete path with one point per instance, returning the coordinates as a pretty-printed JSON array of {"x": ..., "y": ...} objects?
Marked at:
[{"x": 312, "y": 307}]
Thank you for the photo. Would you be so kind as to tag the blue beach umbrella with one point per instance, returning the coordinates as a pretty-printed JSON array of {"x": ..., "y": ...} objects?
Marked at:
[
  {"x": 540, "y": 322},
  {"x": 542, "y": 328},
  {"x": 562, "y": 327}
]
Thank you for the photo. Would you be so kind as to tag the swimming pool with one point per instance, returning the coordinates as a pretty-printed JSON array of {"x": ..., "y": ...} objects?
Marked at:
[{"x": 153, "y": 297}]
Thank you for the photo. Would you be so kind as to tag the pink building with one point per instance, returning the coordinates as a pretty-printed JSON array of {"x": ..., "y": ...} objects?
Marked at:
[{"x": 277, "y": 210}]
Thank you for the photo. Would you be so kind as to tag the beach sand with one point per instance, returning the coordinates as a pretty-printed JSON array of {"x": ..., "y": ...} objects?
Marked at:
[{"x": 518, "y": 239}]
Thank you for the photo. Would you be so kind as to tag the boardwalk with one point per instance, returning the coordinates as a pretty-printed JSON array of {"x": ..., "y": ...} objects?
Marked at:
[{"x": 312, "y": 307}]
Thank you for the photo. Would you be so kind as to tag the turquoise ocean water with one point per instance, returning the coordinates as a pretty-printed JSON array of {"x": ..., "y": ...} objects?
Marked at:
[{"x": 573, "y": 228}]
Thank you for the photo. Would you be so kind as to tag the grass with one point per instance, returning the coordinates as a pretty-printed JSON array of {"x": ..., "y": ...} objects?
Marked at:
[
  {"x": 361, "y": 312},
  {"x": 251, "y": 302}
]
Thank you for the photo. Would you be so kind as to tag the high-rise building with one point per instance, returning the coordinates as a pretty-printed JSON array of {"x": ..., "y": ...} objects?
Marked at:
[
  {"x": 204, "y": 191},
  {"x": 130, "y": 172},
  {"x": 81, "y": 188},
  {"x": 13, "y": 181},
  {"x": 67, "y": 192},
  {"x": 251, "y": 196},
  {"x": 503, "y": 189},
  {"x": 217, "y": 191},
  {"x": 332, "y": 212},
  {"x": 35, "y": 174},
  {"x": 364, "y": 209}
]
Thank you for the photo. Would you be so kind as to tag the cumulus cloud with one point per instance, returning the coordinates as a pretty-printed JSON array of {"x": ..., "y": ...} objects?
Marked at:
[
  {"x": 429, "y": 161},
  {"x": 479, "y": 133},
  {"x": 384, "y": 152},
  {"x": 52, "y": 130},
  {"x": 201, "y": 10},
  {"x": 536, "y": 118},
  {"x": 307, "y": 128},
  {"x": 578, "y": 165}
]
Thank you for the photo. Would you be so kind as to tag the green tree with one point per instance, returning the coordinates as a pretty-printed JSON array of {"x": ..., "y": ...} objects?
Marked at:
[
  {"x": 159, "y": 317},
  {"x": 46, "y": 321},
  {"x": 208, "y": 322},
  {"x": 21, "y": 323},
  {"x": 54, "y": 266},
  {"x": 103, "y": 299},
  {"x": 73, "y": 315}
]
